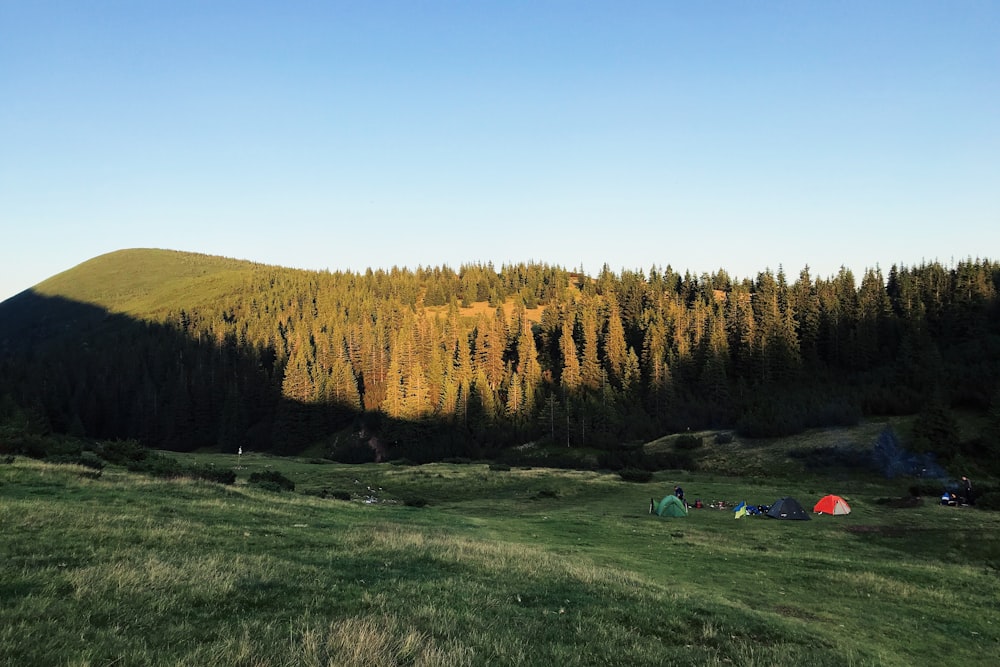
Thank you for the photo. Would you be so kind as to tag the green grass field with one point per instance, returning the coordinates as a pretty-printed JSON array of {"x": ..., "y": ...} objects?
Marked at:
[{"x": 519, "y": 567}]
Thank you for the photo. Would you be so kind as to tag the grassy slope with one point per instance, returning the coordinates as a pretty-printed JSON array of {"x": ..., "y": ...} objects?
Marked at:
[
  {"x": 149, "y": 282},
  {"x": 144, "y": 282},
  {"x": 132, "y": 571}
]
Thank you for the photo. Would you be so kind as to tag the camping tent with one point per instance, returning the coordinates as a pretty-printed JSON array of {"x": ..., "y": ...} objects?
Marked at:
[
  {"x": 833, "y": 505},
  {"x": 671, "y": 506},
  {"x": 787, "y": 508}
]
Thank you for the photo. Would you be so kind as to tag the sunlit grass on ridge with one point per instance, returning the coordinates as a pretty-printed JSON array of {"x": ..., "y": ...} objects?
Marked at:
[{"x": 140, "y": 281}]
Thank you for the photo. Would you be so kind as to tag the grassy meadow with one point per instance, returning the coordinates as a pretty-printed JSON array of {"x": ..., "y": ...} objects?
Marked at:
[{"x": 451, "y": 564}]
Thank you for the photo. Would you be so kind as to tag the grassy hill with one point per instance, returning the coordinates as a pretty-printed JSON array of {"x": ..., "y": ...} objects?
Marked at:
[
  {"x": 447, "y": 564},
  {"x": 144, "y": 282}
]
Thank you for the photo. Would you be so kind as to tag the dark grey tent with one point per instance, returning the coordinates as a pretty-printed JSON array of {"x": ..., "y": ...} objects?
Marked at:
[{"x": 787, "y": 508}]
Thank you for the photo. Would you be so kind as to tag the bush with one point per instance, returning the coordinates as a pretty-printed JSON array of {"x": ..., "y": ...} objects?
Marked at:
[
  {"x": 499, "y": 467},
  {"x": 157, "y": 465},
  {"x": 91, "y": 460},
  {"x": 328, "y": 494},
  {"x": 771, "y": 418},
  {"x": 669, "y": 461},
  {"x": 930, "y": 489},
  {"x": 403, "y": 462},
  {"x": 635, "y": 475},
  {"x": 353, "y": 452},
  {"x": 936, "y": 430},
  {"x": 122, "y": 452},
  {"x": 687, "y": 442},
  {"x": 835, "y": 456},
  {"x": 271, "y": 480},
  {"x": 837, "y": 412},
  {"x": 989, "y": 501},
  {"x": 415, "y": 502},
  {"x": 213, "y": 474},
  {"x": 723, "y": 438},
  {"x": 59, "y": 450},
  {"x": 546, "y": 493}
]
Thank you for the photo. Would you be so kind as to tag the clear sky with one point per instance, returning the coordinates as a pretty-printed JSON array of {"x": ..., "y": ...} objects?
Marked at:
[{"x": 345, "y": 135}]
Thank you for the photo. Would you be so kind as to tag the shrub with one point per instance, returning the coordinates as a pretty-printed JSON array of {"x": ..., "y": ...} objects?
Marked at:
[
  {"x": 770, "y": 418},
  {"x": 989, "y": 501},
  {"x": 834, "y": 456},
  {"x": 670, "y": 461},
  {"x": 687, "y": 442},
  {"x": 328, "y": 494},
  {"x": 213, "y": 474},
  {"x": 415, "y": 502},
  {"x": 936, "y": 430},
  {"x": 122, "y": 452},
  {"x": 403, "y": 462},
  {"x": 499, "y": 467},
  {"x": 59, "y": 450},
  {"x": 91, "y": 460},
  {"x": 546, "y": 493},
  {"x": 926, "y": 489},
  {"x": 635, "y": 475},
  {"x": 352, "y": 452},
  {"x": 272, "y": 480},
  {"x": 157, "y": 465},
  {"x": 723, "y": 438}
]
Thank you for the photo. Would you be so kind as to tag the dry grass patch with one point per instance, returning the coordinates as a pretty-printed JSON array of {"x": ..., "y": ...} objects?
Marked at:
[{"x": 379, "y": 641}]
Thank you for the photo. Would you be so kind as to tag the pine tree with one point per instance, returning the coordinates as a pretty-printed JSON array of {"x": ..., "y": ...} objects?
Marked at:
[
  {"x": 615, "y": 348},
  {"x": 491, "y": 343},
  {"x": 528, "y": 368},
  {"x": 590, "y": 366},
  {"x": 569, "y": 378},
  {"x": 804, "y": 303}
]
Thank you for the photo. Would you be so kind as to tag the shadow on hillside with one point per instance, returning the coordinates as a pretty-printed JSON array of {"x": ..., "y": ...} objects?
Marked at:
[{"x": 81, "y": 370}]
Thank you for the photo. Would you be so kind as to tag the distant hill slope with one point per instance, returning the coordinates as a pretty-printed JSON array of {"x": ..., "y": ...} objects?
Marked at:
[
  {"x": 141, "y": 284},
  {"x": 145, "y": 282}
]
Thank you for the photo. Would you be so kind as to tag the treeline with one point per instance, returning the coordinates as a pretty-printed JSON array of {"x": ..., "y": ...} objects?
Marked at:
[{"x": 437, "y": 362}]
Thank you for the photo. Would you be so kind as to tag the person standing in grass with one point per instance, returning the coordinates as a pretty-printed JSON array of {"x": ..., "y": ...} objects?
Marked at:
[{"x": 967, "y": 486}]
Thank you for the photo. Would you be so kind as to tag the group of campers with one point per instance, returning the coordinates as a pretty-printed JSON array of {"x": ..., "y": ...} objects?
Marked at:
[{"x": 948, "y": 497}]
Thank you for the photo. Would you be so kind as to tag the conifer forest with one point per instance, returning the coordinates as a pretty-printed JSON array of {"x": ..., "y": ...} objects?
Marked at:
[{"x": 433, "y": 363}]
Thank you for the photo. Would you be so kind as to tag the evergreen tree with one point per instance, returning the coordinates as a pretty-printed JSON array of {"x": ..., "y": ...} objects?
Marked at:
[
  {"x": 569, "y": 377},
  {"x": 590, "y": 366},
  {"x": 804, "y": 304},
  {"x": 615, "y": 347}
]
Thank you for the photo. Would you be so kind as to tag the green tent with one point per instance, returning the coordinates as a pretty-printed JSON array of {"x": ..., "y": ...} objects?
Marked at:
[{"x": 671, "y": 506}]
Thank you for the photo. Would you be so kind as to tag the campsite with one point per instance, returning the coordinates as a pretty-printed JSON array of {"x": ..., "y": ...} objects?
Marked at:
[{"x": 471, "y": 564}]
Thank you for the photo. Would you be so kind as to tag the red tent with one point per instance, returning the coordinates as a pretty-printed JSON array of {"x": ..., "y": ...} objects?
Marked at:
[{"x": 833, "y": 505}]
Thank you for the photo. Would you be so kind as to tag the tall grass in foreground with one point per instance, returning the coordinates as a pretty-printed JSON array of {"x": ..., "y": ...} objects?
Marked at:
[{"x": 128, "y": 571}]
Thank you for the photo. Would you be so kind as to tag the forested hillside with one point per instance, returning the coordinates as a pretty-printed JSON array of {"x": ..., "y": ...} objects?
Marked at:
[{"x": 186, "y": 351}]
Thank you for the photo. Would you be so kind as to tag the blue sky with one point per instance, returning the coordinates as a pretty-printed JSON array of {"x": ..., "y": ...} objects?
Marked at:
[{"x": 347, "y": 135}]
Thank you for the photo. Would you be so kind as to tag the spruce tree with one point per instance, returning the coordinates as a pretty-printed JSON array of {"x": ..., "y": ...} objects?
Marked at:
[{"x": 569, "y": 377}]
